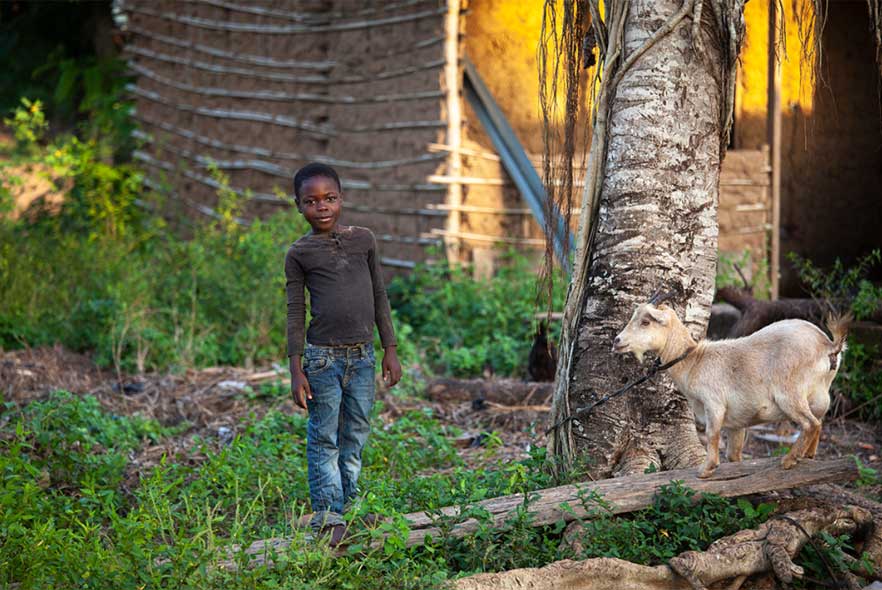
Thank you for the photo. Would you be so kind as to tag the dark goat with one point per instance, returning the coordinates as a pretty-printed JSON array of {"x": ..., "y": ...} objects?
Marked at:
[
  {"x": 542, "y": 363},
  {"x": 756, "y": 313}
]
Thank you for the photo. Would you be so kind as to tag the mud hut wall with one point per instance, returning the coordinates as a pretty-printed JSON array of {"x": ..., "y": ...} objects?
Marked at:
[
  {"x": 501, "y": 39},
  {"x": 263, "y": 87},
  {"x": 745, "y": 207},
  {"x": 832, "y": 152},
  {"x": 831, "y": 164}
]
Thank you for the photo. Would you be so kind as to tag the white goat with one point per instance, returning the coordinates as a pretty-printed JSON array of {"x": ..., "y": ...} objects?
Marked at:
[{"x": 783, "y": 371}]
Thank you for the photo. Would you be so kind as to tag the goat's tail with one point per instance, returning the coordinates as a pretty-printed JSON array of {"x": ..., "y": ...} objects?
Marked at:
[{"x": 838, "y": 325}]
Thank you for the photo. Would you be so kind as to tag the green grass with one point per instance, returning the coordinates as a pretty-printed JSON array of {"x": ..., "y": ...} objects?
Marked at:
[{"x": 68, "y": 523}]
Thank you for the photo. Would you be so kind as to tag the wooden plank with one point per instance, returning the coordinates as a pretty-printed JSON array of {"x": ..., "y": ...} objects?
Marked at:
[{"x": 630, "y": 493}]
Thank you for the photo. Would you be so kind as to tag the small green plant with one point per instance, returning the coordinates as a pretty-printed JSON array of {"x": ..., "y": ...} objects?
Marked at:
[
  {"x": 867, "y": 476},
  {"x": 28, "y": 124},
  {"x": 828, "y": 556},
  {"x": 467, "y": 326},
  {"x": 678, "y": 520},
  {"x": 860, "y": 378},
  {"x": 840, "y": 283},
  {"x": 730, "y": 269}
]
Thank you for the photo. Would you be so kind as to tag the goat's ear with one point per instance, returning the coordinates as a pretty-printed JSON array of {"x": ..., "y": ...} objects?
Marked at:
[{"x": 657, "y": 314}]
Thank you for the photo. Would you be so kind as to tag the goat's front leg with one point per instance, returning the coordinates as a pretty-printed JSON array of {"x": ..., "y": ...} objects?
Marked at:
[
  {"x": 713, "y": 426},
  {"x": 736, "y": 444}
]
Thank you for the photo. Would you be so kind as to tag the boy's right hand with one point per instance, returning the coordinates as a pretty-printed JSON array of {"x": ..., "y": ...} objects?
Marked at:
[{"x": 299, "y": 383}]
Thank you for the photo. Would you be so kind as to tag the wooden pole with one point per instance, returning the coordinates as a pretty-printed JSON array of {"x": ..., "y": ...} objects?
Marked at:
[
  {"x": 453, "y": 83},
  {"x": 774, "y": 132}
]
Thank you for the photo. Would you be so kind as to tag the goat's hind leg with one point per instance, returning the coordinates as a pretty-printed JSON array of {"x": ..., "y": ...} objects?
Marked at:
[
  {"x": 796, "y": 407},
  {"x": 735, "y": 444},
  {"x": 819, "y": 404},
  {"x": 812, "y": 446}
]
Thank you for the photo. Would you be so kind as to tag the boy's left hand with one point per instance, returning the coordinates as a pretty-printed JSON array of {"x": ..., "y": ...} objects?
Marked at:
[{"x": 391, "y": 367}]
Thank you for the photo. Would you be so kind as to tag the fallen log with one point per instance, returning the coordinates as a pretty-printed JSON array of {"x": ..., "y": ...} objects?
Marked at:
[
  {"x": 633, "y": 492},
  {"x": 619, "y": 495},
  {"x": 509, "y": 392},
  {"x": 771, "y": 547}
]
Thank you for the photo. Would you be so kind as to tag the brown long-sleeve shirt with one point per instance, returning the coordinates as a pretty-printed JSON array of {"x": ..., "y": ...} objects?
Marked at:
[{"x": 346, "y": 292}]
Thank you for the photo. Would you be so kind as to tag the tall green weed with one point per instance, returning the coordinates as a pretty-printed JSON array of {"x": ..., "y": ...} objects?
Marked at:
[{"x": 465, "y": 325}]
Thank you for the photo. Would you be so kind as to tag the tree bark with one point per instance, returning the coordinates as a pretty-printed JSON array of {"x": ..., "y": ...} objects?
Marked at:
[{"x": 656, "y": 227}]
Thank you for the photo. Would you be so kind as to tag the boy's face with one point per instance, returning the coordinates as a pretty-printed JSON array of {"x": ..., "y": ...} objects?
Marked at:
[{"x": 321, "y": 203}]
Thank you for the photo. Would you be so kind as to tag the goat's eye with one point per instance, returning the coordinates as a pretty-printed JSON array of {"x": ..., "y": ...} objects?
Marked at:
[{"x": 644, "y": 323}]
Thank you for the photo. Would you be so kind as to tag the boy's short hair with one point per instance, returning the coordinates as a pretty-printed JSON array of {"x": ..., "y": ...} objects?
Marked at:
[{"x": 311, "y": 170}]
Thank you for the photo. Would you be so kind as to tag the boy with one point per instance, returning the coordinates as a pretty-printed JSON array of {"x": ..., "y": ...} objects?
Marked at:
[{"x": 335, "y": 382}]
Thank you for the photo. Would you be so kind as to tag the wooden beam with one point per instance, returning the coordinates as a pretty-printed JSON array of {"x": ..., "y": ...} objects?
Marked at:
[
  {"x": 633, "y": 492},
  {"x": 774, "y": 131},
  {"x": 452, "y": 87}
]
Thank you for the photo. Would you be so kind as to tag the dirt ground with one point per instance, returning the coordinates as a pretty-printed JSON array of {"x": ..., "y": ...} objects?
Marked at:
[{"x": 212, "y": 404}]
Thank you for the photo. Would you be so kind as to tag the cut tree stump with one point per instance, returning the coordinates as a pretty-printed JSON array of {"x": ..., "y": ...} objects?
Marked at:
[
  {"x": 509, "y": 392},
  {"x": 620, "y": 495}
]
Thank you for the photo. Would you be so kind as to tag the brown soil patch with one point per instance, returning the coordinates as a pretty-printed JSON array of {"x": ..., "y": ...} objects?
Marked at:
[
  {"x": 34, "y": 192},
  {"x": 214, "y": 403}
]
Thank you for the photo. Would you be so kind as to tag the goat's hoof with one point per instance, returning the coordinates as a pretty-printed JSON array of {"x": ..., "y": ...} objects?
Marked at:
[
  {"x": 706, "y": 473},
  {"x": 788, "y": 462}
]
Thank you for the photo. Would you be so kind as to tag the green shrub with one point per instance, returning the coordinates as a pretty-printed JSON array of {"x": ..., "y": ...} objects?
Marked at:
[
  {"x": 841, "y": 283},
  {"x": 728, "y": 274},
  {"x": 28, "y": 125},
  {"x": 678, "y": 520},
  {"x": 465, "y": 325},
  {"x": 860, "y": 376}
]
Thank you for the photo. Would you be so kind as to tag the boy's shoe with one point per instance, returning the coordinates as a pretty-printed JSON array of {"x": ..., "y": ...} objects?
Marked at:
[
  {"x": 335, "y": 533},
  {"x": 370, "y": 520}
]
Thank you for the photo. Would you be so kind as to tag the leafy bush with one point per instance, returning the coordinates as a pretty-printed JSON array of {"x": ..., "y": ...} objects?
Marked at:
[
  {"x": 105, "y": 275},
  {"x": 678, "y": 520},
  {"x": 860, "y": 376},
  {"x": 728, "y": 275},
  {"x": 28, "y": 125},
  {"x": 465, "y": 325},
  {"x": 841, "y": 283}
]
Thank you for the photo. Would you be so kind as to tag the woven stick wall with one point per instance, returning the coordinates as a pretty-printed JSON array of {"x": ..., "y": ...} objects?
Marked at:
[{"x": 264, "y": 86}]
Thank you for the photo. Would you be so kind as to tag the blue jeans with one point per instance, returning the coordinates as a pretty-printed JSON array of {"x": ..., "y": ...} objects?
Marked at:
[{"x": 342, "y": 384}]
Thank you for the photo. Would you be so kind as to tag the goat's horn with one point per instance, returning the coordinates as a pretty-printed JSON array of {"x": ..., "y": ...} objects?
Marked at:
[{"x": 660, "y": 297}]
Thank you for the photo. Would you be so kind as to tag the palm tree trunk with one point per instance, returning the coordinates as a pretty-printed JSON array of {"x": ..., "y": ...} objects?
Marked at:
[{"x": 656, "y": 227}]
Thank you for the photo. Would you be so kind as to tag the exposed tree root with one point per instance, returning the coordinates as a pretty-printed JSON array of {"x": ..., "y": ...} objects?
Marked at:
[
  {"x": 602, "y": 573},
  {"x": 769, "y": 548}
]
